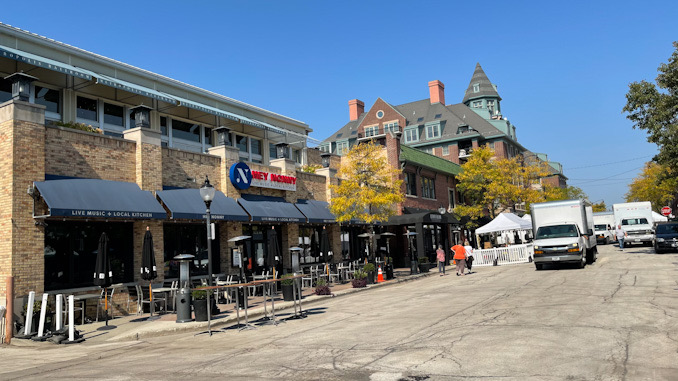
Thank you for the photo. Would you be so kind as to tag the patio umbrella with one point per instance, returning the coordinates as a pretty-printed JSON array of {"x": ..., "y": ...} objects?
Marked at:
[
  {"x": 102, "y": 269},
  {"x": 148, "y": 267},
  {"x": 325, "y": 247},
  {"x": 273, "y": 249}
]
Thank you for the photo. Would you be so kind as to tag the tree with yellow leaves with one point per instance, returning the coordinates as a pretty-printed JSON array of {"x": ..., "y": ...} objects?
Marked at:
[
  {"x": 369, "y": 188},
  {"x": 655, "y": 184},
  {"x": 599, "y": 207},
  {"x": 492, "y": 185}
]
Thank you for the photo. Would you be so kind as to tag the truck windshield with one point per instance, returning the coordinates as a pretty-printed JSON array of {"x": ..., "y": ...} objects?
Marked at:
[
  {"x": 601, "y": 227},
  {"x": 556, "y": 231},
  {"x": 634, "y": 221}
]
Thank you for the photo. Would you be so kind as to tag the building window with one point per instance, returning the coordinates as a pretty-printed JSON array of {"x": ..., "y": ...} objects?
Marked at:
[
  {"x": 114, "y": 115},
  {"x": 185, "y": 131},
  {"x": 429, "y": 150},
  {"x": 255, "y": 145},
  {"x": 492, "y": 145},
  {"x": 477, "y": 104},
  {"x": 393, "y": 127},
  {"x": 433, "y": 131},
  {"x": 446, "y": 150},
  {"x": 380, "y": 114},
  {"x": 296, "y": 155},
  {"x": 163, "y": 126},
  {"x": 342, "y": 148},
  {"x": 5, "y": 90},
  {"x": 427, "y": 188},
  {"x": 324, "y": 148},
  {"x": 476, "y": 87},
  {"x": 241, "y": 143},
  {"x": 490, "y": 104},
  {"x": 410, "y": 184},
  {"x": 438, "y": 116},
  {"x": 412, "y": 135},
  {"x": 371, "y": 131},
  {"x": 451, "y": 199},
  {"x": 48, "y": 98},
  {"x": 189, "y": 238},
  {"x": 87, "y": 109}
]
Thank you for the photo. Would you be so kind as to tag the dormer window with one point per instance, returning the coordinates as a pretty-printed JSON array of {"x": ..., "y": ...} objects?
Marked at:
[
  {"x": 476, "y": 87},
  {"x": 433, "y": 131},
  {"x": 462, "y": 129},
  {"x": 477, "y": 104}
]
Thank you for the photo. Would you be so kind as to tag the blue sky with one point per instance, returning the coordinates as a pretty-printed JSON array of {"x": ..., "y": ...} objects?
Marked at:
[{"x": 562, "y": 70}]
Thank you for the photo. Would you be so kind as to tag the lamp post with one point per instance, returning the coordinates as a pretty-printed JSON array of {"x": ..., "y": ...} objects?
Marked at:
[{"x": 207, "y": 192}]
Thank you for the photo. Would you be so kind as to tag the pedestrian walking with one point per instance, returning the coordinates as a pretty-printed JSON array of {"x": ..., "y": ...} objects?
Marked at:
[
  {"x": 621, "y": 233},
  {"x": 441, "y": 260},
  {"x": 469, "y": 255},
  {"x": 459, "y": 258}
]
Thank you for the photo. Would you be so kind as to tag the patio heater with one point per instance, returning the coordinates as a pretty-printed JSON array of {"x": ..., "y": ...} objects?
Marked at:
[
  {"x": 183, "y": 299},
  {"x": 294, "y": 257},
  {"x": 414, "y": 265},
  {"x": 240, "y": 242},
  {"x": 388, "y": 262}
]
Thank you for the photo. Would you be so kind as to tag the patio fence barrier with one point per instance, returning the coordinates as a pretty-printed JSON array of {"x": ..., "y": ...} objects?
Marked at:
[
  {"x": 503, "y": 255},
  {"x": 3, "y": 313}
]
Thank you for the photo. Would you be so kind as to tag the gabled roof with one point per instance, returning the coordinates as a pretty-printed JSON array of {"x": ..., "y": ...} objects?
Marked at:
[
  {"x": 486, "y": 89},
  {"x": 423, "y": 159},
  {"x": 350, "y": 130}
]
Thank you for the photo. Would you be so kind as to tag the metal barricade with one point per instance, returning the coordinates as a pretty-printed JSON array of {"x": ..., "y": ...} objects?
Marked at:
[{"x": 503, "y": 255}]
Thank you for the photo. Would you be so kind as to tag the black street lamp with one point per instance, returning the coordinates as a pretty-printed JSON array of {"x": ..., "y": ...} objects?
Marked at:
[
  {"x": 282, "y": 151},
  {"x": 223, "y": 136},
  {"x": 21, "y": 85},
  {"x": 142, "y": 116},
  {"x": 207, "y": 192},
  {"x": 325, "y": 158}
]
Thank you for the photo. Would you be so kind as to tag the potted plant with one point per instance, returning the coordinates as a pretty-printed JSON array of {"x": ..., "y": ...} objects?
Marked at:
[
  {"x": 287, "y": 285},
  {"x": 424, "y": 265},
  {"x": 321, "y": 288},
  {"x": 199, "y": 304},
  {"x": 359, "y": 280},
  {"x": 369, "y": 270}
]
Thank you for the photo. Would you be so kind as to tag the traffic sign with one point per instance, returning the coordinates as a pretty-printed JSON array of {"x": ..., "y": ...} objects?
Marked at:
[{"x": 666, "y": 211}]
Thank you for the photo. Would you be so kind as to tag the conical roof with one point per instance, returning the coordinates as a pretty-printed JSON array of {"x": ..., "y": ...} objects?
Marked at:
[{"x": 485, "y": 88}]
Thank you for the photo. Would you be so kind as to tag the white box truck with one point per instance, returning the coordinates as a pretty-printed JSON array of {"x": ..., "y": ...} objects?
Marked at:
[
  {"x": 636, "y": 219},
  {"x": 563, "y": 233},
  {"x": 604, "y": 225}
]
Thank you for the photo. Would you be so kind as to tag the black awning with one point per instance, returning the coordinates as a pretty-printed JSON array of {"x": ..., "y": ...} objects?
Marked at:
[
  {"x": 316, "y": 211},
  {"x": 187, "y": 203},
  {"x": 270, "y": 209},
  {"x": 429, "y": 217},
  {"x": 92, "y": 198}
]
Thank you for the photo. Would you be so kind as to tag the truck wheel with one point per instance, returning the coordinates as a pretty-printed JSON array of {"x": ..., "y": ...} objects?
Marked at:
[
  {"x": 607, "y": 240},
  {"x": 590, "y": 256},
  {"x": 582, "y": 263},
  {"x": 539, "y": 266}
]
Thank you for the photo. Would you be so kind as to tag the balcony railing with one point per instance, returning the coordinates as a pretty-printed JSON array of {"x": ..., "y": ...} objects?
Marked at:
[{"x": 378, "y": 133}]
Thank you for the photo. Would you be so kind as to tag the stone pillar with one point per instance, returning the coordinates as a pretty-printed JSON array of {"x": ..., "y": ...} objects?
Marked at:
[
  {"x": 330, "y": 179},
  {"x": 148, "y": 157},
  {"x": 22, "y": 148},
  {"x": 228, "y": 230},
  {"x": 288, "y": 167},
  {"x": 334, "y": 232},
  {"x": 229, "y": 155}
]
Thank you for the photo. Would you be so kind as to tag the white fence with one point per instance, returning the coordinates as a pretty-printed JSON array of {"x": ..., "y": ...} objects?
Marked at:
[{"x": 503, "y": 255}]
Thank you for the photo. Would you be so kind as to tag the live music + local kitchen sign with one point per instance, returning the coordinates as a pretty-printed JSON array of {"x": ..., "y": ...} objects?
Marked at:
[{"x": 242, "y": 178}]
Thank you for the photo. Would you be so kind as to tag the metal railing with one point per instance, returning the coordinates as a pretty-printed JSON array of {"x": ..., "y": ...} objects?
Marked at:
[{"x": 503, "y": 255}]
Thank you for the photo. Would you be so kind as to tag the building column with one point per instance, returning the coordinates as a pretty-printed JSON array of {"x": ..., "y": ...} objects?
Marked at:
[
  {"x": 229, "y": 156},
  {"x": 454, "y": 153},
  {"x": 22, "y": 148}
]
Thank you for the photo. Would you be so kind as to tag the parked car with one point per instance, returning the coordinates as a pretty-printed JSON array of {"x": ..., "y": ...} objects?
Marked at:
[{"x": 666, "y": 237}]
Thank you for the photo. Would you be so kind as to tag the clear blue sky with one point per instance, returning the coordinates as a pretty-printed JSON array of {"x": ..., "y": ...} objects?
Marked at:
[{"x": 562, "y": 69}]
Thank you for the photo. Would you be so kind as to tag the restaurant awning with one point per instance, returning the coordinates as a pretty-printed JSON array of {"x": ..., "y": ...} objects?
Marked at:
[
  {"x": 44, "y": 62},
  {"x": 132, "y": 88},
  {"x": 187, "y": 204},
  {"x": 316, "y": 211},
  {"x": 92, "y": 198},
  {"x": 270, "y": 209}
]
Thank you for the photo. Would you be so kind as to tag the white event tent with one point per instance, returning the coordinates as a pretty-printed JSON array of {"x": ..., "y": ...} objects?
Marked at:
[{"x": 504, "y": 222}]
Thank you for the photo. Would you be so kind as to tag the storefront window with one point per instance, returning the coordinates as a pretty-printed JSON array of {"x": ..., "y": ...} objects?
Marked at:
[
  {"x": 241, "y": 143},
  {"x": 186, "y": 131},
  {"x": 87, "y": 108},
  {"x": 309, "y": 241},
  {"x": 257, "y": 248},
  {"x": 71, "y": 250},
  {"x": 189, "y": 239},
  {"x": 114, "y": 114},
  {"x": 48, "y": 98}
]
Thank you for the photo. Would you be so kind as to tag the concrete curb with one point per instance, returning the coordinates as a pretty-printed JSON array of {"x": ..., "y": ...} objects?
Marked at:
[{"x": 161, "y": 328}]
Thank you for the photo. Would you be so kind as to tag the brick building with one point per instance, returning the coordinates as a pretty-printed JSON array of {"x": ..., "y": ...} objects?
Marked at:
[{"x": 147, "y": 145}]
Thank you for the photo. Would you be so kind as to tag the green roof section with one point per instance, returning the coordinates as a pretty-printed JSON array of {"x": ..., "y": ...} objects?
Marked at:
[{"x": 421, "y": 158}]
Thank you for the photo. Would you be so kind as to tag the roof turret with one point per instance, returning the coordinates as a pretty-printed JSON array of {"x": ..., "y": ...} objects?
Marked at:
[{"x": 480, "y": 86}]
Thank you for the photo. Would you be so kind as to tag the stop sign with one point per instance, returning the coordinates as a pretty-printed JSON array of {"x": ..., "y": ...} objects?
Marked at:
[{"x": 666, "y": 211}]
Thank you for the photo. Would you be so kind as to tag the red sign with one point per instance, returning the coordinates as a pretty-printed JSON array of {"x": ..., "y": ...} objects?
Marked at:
[
  {"x": 273, "y": 181},
  {"x": 666, "y": 211}
]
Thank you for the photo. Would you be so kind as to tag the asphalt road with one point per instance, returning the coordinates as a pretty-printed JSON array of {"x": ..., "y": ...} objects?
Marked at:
[{"x": 613, "y": 320}]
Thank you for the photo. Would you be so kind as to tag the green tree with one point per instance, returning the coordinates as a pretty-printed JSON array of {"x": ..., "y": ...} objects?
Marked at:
[
  {"x": 655, "y": 184},
  {"x": 369, "y": 189},
  {"x": 599, "y": 207},
  {"x": 654, "y": 108},
  {"x": 491, "y": 185},
  {"x": 568, "y": 193}
]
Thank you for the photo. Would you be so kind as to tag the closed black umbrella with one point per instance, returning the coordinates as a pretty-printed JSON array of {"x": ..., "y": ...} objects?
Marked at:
[
  {"x": 102, "y": 269},
  {"x": 148, "y": 267},
  {"x": 273, "y": 250},
  {"x": 325, "y": 246}
]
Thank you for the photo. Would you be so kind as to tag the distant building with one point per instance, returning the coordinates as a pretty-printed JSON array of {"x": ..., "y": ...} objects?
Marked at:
[{"x": 449, "y": 131}]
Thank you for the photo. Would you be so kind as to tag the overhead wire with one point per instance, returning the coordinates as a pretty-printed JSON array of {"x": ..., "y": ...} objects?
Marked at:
[{"x": 615, "y": 162}]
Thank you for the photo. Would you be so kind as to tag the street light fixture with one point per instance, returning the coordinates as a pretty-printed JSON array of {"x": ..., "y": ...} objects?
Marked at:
[{"x": 207, "y": 192}]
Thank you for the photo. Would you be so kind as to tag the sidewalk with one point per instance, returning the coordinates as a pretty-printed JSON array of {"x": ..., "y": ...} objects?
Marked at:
[{"x": 136, "y": 327}]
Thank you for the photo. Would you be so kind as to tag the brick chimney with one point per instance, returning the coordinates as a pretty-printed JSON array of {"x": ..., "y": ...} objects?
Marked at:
[
  {"x": 355, "y": 108},
  {"x": 437, "y": 92}
]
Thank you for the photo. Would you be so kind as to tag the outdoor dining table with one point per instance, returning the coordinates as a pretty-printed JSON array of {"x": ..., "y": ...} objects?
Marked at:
[
  {"x": 83, "y": 298},
  {"x": 271, "y": 284},
  {"x": 165, "y": 291}
]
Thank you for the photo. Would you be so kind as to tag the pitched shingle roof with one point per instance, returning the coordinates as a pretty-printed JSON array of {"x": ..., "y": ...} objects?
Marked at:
[
  {"x": 423, "y": 159},
  {"x": 486, "y": 89}
]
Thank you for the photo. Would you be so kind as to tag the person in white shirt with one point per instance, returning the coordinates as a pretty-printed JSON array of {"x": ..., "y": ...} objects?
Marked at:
[
  {"x": 621, "y": 233},
  {"x": 469, "y": 255}
]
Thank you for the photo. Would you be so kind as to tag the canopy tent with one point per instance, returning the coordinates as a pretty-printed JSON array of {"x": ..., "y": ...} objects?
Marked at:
[
  {"x": 658, "y": 217},
  {"x": 527, "y": 217},
  {"x": 503, "y": 222}
]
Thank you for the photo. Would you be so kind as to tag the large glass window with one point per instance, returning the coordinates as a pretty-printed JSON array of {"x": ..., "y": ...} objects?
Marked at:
[
  {"x": 255, "y": 146},
  {"x": 411, "y": 135},
  {"x": 272, "y": 151},
  {"x": 114, "y": 114},
  {"x": 309, "y": 241},
  {"x": 428, "y": 188},
  {"x": 87, "y": 109},
  {"x": 189, "y": 239},
  {"x": 342, "y": 148},
  {"x": 208, "y": 136},
  {"x": 186, "y": 131},
  {"x": 5, "y": 90},
  {"x": 48, "y": 98},
  {"x": 257, "y": 248},
  {"x": 71, "y": 250},
  {"x": 411, "y": 184},
  {"x": 371, "y": 131},
  {"x": 241, "y": 143},
  {"x": 163, "y": 125}
]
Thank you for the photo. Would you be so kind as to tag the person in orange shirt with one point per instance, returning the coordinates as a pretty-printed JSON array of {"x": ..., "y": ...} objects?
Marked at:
[{"x": 460, "y": 258}]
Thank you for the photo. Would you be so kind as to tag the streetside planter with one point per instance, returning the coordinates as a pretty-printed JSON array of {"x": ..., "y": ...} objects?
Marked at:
[
  {"x": 424, "y": 265},
  {"x": 200, "y": 304},
  {"x": 369, "y": 270},
  {"x": 359, "y": 280},
  {"x": 287, "y": 285}
]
